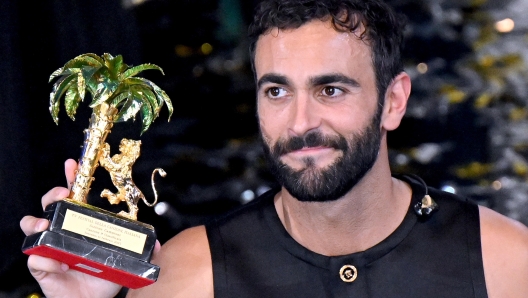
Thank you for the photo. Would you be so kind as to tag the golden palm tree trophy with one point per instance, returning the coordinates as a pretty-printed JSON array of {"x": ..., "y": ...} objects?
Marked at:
[{"x": 114, "y": 247}]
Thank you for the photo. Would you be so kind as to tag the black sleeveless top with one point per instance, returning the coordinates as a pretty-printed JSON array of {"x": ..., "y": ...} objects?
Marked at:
[{"x": 254, "y": 256}]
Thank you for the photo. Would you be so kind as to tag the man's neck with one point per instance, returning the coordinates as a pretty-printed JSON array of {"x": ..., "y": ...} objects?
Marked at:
[{"x": 365, "y": 216}]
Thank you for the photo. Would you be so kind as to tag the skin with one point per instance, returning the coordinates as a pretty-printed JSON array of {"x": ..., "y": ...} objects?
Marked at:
[
  {"x": 292, "y": 101},
  {"x": 302, "y": 106}
]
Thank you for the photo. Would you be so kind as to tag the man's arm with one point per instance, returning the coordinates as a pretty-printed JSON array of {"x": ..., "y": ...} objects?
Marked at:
[
  {"x": 185, "y": 267},
  {"x": 505, "y": 255}
]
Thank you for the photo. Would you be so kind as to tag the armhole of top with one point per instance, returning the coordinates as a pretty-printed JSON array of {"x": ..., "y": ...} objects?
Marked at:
[
  {"x": 216, "y": 246},
  {"x": 475, "y": 250}
]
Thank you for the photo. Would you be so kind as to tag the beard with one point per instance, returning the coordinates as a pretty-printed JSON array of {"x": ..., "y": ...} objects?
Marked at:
[{"x": 312, "y": 184}]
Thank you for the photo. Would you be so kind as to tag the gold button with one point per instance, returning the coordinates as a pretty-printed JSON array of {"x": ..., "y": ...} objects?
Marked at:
[{"x": 348, "y": 273}]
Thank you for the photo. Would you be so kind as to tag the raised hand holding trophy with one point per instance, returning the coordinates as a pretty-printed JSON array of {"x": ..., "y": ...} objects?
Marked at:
[{"x": 115, "y": 247}]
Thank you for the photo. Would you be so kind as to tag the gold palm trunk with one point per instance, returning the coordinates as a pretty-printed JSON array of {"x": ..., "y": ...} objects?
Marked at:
[{"x": 101, "y": 123}]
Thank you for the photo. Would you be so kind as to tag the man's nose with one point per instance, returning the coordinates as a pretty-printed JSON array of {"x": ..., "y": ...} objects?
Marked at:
[{"x": 304, "y": 115}]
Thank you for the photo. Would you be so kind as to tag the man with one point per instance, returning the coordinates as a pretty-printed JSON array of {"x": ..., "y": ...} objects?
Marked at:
[{"x": 329, "y": 86}]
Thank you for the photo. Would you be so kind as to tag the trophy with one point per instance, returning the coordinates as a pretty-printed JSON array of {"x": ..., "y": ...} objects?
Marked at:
[{"x": 115, "y": 247}]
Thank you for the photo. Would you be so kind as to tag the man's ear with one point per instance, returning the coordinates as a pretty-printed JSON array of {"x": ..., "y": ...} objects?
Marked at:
[{"x": 396, "y": 101}]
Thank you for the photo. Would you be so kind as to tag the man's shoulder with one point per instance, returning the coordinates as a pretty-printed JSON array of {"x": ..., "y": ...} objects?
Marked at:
[
  {"x": 499, "y": 226},
  {"x": 505, "y": 254},
  {"x": 185, "y": 267},
  {"x": 501, "y": 234}
]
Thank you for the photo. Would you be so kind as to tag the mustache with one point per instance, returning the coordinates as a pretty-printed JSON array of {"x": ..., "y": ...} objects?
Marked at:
[{"x": 309, "y": 140}]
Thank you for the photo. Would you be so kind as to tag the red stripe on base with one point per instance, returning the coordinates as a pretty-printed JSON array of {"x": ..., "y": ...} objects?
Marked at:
[{"x": 108, "y": 273}]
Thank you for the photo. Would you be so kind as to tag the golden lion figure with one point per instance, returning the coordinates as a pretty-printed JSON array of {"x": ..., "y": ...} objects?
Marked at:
[{"x": 120, "y": 169}]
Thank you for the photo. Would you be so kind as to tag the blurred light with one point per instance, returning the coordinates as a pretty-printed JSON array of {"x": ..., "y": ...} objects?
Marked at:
[
  {"x": 483, "y": 100},
  {"x": 262, "y": 189},
  {"x": 402, "y": 159},
  {"x": 183, "y": 51},
  {"x": 496, "y": 185},
  {"x": 132, "y": 3},
  {"x": 198, "y": 71},
  {"x": 137, "y": 2},
  {"x": 520, "y": 167},
  {"x": 229, "y": 65},
  {"x": 206, "y": 48},
  {"x": 456, "y": 96},
  {"x": 422, "y": 68},
  {"x": 425, "y": 153},
  {"x": 161, "y": 208},
  {"x": 505, "y": 25},
  {"x": 448, "y": 188},
  {"x": 247, "y": 196},
  {"x": 33, "y": 295}
]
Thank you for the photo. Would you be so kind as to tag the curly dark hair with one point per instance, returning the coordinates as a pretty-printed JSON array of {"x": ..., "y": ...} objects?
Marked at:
[{"x": 383, "y": 28}]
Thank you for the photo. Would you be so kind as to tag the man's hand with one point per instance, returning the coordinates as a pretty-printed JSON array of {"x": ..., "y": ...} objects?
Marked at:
[{"x": 54, "y": 277}]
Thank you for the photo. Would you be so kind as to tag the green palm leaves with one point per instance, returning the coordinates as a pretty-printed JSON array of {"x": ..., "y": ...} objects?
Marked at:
[{"x": 109, "y": 81}]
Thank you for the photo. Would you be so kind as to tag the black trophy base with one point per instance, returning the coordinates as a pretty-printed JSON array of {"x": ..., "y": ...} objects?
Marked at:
[{"x": 98, "y": 243}]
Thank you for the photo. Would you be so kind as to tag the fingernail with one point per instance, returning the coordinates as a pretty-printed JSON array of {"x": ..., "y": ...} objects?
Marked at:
[{"x": 64, "y": 267}]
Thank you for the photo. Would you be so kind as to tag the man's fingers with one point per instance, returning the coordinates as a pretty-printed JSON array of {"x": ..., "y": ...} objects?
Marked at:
[
  {"x": 39, "y": 266},
  {"x": 69, "y": 170},
  {"x": 156, "y": 252},
  {"x": 55, "y": 194},
  {"x": 157, "y": 247},
  {"x": 31, "y": 225}
]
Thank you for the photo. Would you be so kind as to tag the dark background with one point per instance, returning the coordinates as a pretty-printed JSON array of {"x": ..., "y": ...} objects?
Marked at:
[{"x": 210, "y": 148}]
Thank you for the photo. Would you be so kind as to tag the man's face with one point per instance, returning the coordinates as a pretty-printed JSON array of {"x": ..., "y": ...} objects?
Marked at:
[{"x": 318, "y": 109}]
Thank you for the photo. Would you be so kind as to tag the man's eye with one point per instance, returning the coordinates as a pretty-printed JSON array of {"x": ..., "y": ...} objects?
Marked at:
[
  {"x": 275, "y": 92},
  {"x": 331, "y": 91}
]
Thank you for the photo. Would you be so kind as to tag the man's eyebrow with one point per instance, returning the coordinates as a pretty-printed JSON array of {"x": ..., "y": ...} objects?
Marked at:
[
  {"x": 272, "y": 78},
  {"x": 333, "y": 78}
]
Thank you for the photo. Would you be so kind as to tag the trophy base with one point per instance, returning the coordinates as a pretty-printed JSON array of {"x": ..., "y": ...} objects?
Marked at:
[
  {"x": 92, "y": 259},
  {"x": 98, "y": 243}
]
